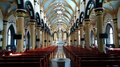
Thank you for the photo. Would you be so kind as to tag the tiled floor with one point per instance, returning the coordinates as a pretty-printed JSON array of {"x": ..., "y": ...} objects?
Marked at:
[{"x": 59, "y": 54}]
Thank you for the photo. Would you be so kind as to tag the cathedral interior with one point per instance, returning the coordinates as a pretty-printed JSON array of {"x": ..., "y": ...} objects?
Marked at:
[{"x": 33, "y": 32}]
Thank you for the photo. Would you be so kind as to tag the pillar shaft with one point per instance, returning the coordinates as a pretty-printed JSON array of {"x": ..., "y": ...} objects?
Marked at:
[
  {"x": 94, "y": 35},
  {"x": 116, "y": 41},
  {"x": 38, "y": 36},
  {"x": 74, "y": 38},
  {"x": 81, "y": 36},
  {"x": 32, "y": 31},
  {"x": 77, "y": 37},
  {"x": 70, "y": 39},
  {"x": 20, "y": 28},
  {"x": 87, "y": 31},
  {"x": 99, "y": 14},
  {"x": 4, "y": 43},
  {"x": 25, "y": 38},
  {"x": 46, "y": 39},
  {"x": 43, "y": 32}
]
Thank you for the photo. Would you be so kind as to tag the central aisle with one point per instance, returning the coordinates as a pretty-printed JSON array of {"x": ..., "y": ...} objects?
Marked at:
[{"x": 60, "y": 52}]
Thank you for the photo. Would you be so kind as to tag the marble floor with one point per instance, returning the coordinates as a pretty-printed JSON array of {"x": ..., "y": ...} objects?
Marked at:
[{"x": 59, "y": 53}]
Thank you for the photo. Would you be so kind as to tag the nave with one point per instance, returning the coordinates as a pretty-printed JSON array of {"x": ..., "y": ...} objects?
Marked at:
[{"x": 32, "y": 30}]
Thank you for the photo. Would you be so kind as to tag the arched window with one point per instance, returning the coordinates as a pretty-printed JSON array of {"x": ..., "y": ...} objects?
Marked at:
[
  {"x": 11, "y": 43},
  {"x": 111, "y": 35},
  {"x": 9, "y": 37},
  {"x": 109, "y": 31}
]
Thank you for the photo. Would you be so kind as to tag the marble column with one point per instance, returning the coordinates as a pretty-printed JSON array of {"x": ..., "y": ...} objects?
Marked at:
[
  {"x": 77, "y": 37},
  {"x": 73, "y": 38},
  {"x": 25, "y": 38},
  {"x": 87, "y": 32},
  {"x": 81, "y": 36},
  {"x": 46, "y": 39},
  {"x": 94, "y": 35},
  {"x": 38, "y": 35},
  {"x": 4, "y": 43},
  {"x": 32, "y": 32},
  {"x": 20, "y": 28},
  {"x": 99, "y": 15},
  {"x": 43, "y": 37}
]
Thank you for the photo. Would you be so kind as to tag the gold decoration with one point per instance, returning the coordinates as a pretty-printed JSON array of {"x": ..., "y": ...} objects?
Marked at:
[
  {"x": 87, "y": 22},
  {"x": 4, "y": 23},
  {"x": 38, "y": 27},
  {"x": 114, "y": 21},
  {"x": 32, "y": 23},
  {"x": 84, "y": 2},
  {"x": 34, "y": 3},
  {"x": 77, "y": 30},
  {"x": 20, "y": 14},
  {"x": 99, "y": 12},
  {"x": 80, "y": 27}
]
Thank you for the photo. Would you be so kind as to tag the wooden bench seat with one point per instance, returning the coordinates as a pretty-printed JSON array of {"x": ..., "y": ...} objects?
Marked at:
[
  {"x": 81, "y": 57},
  {"x": 17, "y": 62}
]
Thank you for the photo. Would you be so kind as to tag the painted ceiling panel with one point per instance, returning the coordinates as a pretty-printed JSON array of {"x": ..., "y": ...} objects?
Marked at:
[
  {"x": 59, "y": 1},
  {"x": 77, "y": 1},
  {"x": 47, "y": 4},
  {"x": 4, "y": 6},
  {"x": 41, "y": 1},
  {"x": 51, "y": 15},
  {"x": 68, "y": 15},
  {"x": 69, "y": 10},
  {"x": 115, "y": 4},
  {"x": 67, "y": 7},
  {"x": 71, "y": 3},
  {"x": 12, "y": 8},
  {"x": 64, "y": 21},
  {"x": 106, "y": 5},
  {"x": 57, "y": 21},
  {"x": 49, "y": 10}
]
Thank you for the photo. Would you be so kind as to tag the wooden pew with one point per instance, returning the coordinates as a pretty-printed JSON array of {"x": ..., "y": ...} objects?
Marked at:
[
  {"x": 89, "y": 58},
  {"x": 24, "y": 62}
]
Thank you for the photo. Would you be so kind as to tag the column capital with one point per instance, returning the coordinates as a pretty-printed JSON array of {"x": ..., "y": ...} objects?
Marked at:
[
  {"x": 5, "y": 22},
  {"x": 41, "y": 11},
  {"x": 98, "y": 11},
  {"x": 114, "y": 20},
  {"x": 39, "y": 27},
  {"x": 76, "y": 29},
  {"x": 84, "y": 1},
  {"x": 35, "y": 2},
  {"x": 87, "y": 21},
  {"x": 25, "y": 30},
  {"x": 20, "y": 12},
  {"x": 32, "y": 21},
  {"x": 80, "y": 26}
]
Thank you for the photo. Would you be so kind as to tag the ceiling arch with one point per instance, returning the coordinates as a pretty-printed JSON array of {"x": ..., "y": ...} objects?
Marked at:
[{"x": 51, "y": 8}]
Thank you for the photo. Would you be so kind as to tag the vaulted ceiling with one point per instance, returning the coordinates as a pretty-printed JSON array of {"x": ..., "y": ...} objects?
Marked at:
[{"x": 59, "y": 11}]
